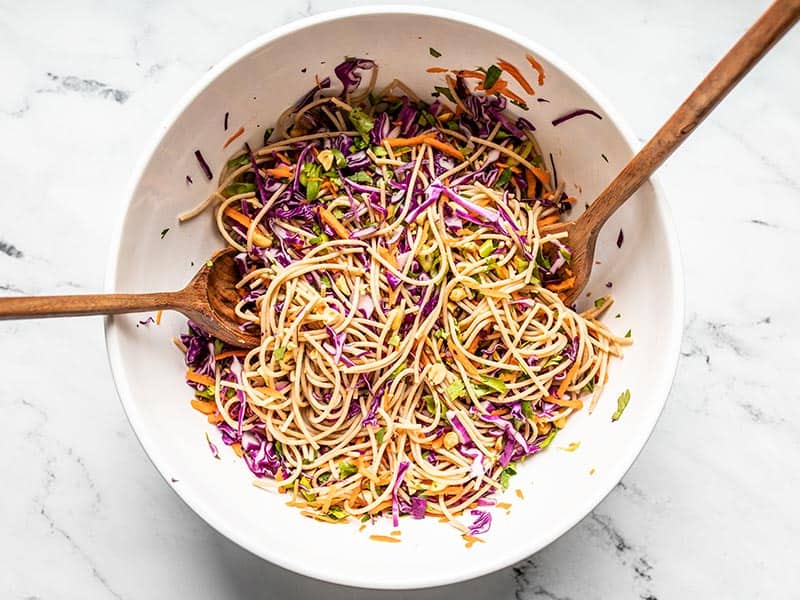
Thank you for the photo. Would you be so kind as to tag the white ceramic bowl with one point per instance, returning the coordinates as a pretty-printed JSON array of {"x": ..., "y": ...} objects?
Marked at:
[{"x": 254, "y": 84}]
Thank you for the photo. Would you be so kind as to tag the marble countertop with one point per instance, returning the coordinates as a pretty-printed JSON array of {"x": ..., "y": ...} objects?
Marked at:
[{"x": 708, "y": 510}]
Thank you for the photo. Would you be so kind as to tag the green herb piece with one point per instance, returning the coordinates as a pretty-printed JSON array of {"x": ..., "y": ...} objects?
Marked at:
[
  {"x": 398, "y": 370},
  {"x": 440, "y": 333},
  {"x": 605, "y": 158},
  {"x": 589, "y": 387},
  {"x": 527, "y": 410},
  {"x": 445, "y": 91},
  {"x": 426, "y": 119},
  {"x": 278, "y": 448},
  {"x": 337, "y": 512},
  {"x": 206, "y": 394},
  {"x": 492, "y": 75},
  {"x": 324, "y": 281},
  {"x": 164, "y": 232},
  {"x": 456, "y": 389},
  {"x": 628, "y": 333},
  {"x": 504, "y": 179},
  {"x": 218, "y": 346},
  {"x": 279, "y": 353},
  {"x": 379, "y": 151},
  {"x": 362, "y": 122},
  {"x": 452, "y": 125},
  {"x": 346, "y": 469},
  {"x": 324, "y": 477},
  {"x": 434, "y": 52},
  {"x": 599, "y": 302},
  {"x": 394, "y": 340},
  {"x": 486, "y": 249},
  {"x": 496, "y": 384},
  {"x": 537, "y": 161},
  {"x": 554, "y": 360},
  {"x": 209, "y": 263},
  {"x": 365, "y": 518},
  {"x": 268, "y": 134},
  {"x": 239, "y": 161},
  {"x": 360, "y": 143},
  {"x": 309, "y": 496},
  {"x": 361, "y": 177},
  {"x": 622, "y": 403},
  {"x": 234, "y": 189},
  {"x": 339, "y": 159},
  {"x": 521, "y": 105},
  {"x": 321, "y": 238},
  {"x": 550, "y": 436},
  {"x": 505, "y": 475},
  {"x": 379, "y": 435},
  {"x": 432, "y": 405}
]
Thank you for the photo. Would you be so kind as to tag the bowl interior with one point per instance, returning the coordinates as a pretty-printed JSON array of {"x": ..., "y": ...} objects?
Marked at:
[{"x": 254, "y": 86}]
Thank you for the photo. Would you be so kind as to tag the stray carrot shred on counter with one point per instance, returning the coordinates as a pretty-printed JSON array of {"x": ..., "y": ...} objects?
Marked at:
[
  {"x": 520, "y": 495},
  {"x": 158, "y": 317}
]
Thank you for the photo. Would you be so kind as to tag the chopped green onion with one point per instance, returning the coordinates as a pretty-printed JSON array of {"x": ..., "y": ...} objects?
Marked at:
[
  {"x": 505, "y": 475},
  {"x": 504, "y": 179},
  {"x": 496, "y": 384},
  {"x": 434, "y": 52},
  {"x": 622, "y": 403},
  {"x": 337, "y": 512},
  {"x": 346, "y": 469},
  {"x": 379, "y": 435},
  {"x": 361, "y": 121},
  {"x": 445, "y": 91},
  {"x": 164, "y": 232},
  {"x": 486, "y": 249},
  {"x": 492, "y": 75},
  {"x": 240, "y": 161},
  {"x": 456, "y": 389},
  {"x": 599, "y": 302},
  {"x": 279, "y": 353},
  {"x": 527, "y": 410}
]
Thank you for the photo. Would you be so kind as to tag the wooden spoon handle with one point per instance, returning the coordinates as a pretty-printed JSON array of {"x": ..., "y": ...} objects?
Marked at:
[
  {"x": 35, "y": 307},
  {"x": 775, "y": 22}
]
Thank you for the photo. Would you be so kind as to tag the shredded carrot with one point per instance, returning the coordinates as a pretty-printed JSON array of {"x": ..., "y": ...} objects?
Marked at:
[
  {"x": 471, "y": 539},
  {"x": 237, "y": 449},
  {"x": 539, "y": 69},
  {"x": 436, "y": 70},
  {"x": 437, "y": 443},
  {"x": 511, "y": 95},
  {"x": 239, "y": 132},
  {"x": 459, "y": 356},
  {"x": 229, "y": 353},
  {"x": 258, "y": 238},
  {"x": 215, "y": 418},
  {"x": 503, "y": 505},
  {"x": 541, "y": 175},
  {"x": 199, "y": 378},
  {"x": 279, "y": 172},
  {"x": 520, "y": 495},
  {"x": 395, "y": 532},
  {"x": 444, "y": 147},
  {"x": 592, "y": 471},
  {"x": 560, "y": 422},
  {"x": 363, "y": 526},
  {"x": 531, "y": 181},
  {"x": 384, "y": 538},
  {"x": 204, "y": 407},
  {"x": 412, "y": 141},
  {"x": 548, "y": 220},
  {"x": 576, "y": 404},
  {"x": 268, "y": 391},
  {"x": 497, "y": 88},
  {"x": 334, "y": 223},
  {"x": 388, "y": 257},
  {"x": 158, "y": 317},
  {"x": 564, "y": 285},
  {"x": 571, "y": 374},
  {"x": 283, "y": 157},
  {"x": 514, "y": 72}
]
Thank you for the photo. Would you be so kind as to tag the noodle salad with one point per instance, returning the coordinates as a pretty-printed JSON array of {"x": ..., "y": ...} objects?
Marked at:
[{"x": 395, "y": 261}]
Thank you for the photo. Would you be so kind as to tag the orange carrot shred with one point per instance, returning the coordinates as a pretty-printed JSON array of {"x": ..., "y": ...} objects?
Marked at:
[
  {"x": 539, "y": 69},
  {"x": 159, "y": 314},
  {"x": 334, "y": 223},
  {"x": 514, "y": 72},
  {"x": 239, "y": 132},
  {"x": 436, "y": 70},
  {"x": 199, "y": 378},
  {"x": 204, "y": 407},
  {"x": 384, "y": 538},
  {"x": 229, "y": 353}
]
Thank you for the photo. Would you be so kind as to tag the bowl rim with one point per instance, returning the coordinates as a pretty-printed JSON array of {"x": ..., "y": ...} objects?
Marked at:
[{"x": 470, "y": 570}]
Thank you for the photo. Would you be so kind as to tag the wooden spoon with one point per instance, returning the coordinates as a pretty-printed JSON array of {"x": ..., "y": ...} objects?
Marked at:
[
  {"x": 208, "y": 300},
  {"x": 582, "y": 233}
]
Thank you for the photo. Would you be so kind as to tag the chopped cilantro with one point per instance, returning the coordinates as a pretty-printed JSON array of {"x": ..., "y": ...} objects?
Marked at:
[
  {"x": 445, "y": 91},
  {"x": 434, "y": 52},
  {"x": 506, "y": 474},
  {"x": 164, "y": 232}
]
